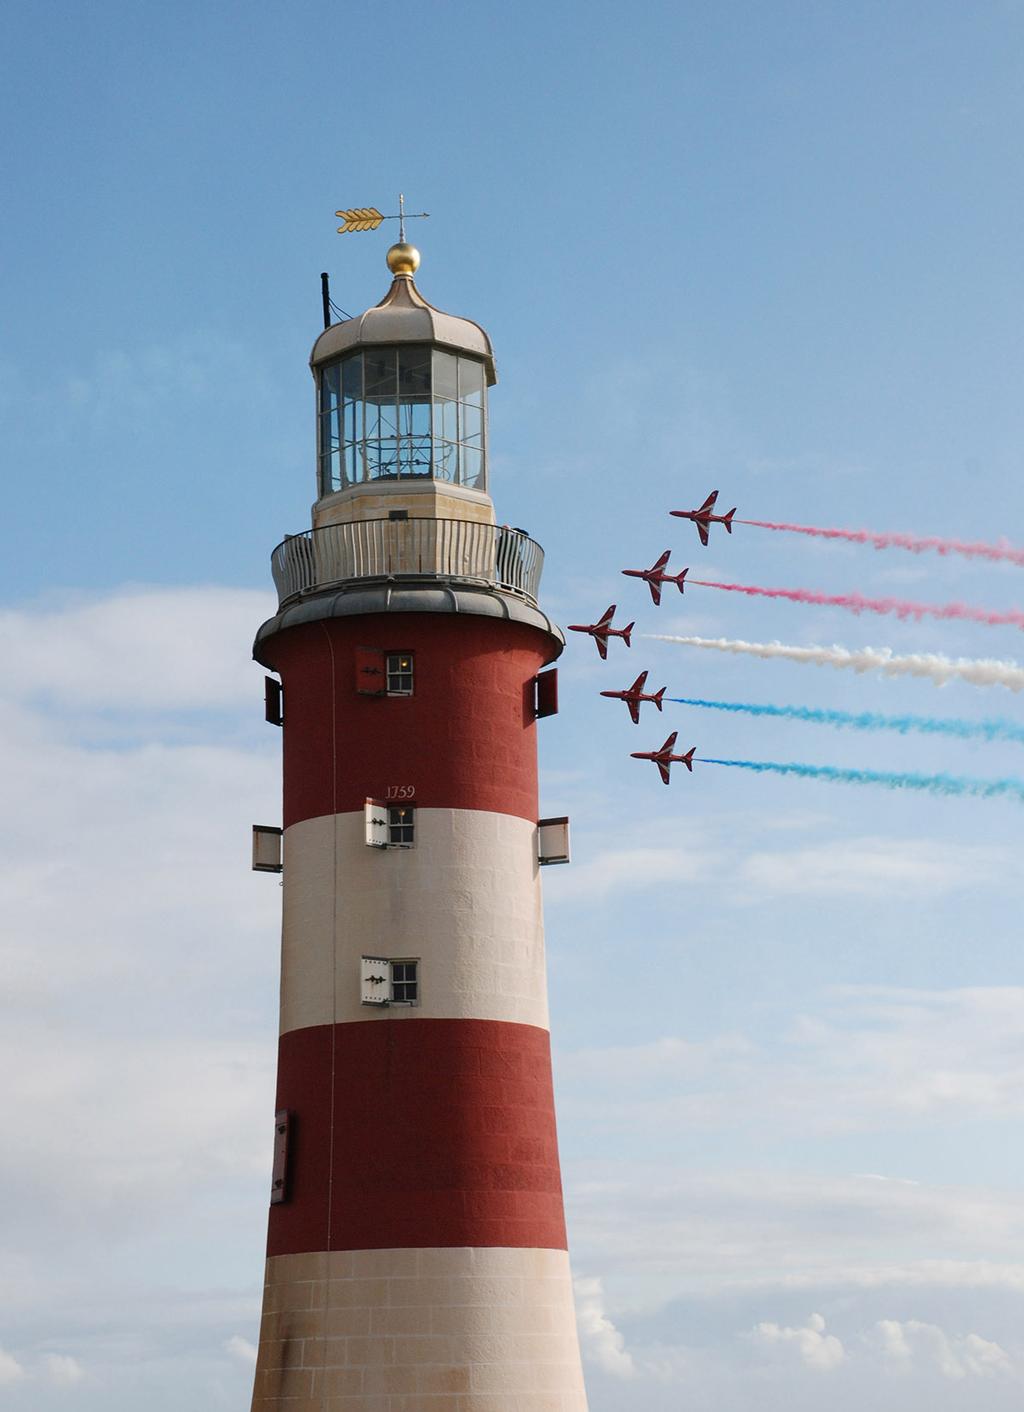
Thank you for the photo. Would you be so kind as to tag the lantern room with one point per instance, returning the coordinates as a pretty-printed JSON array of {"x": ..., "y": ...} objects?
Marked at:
[{"x": 402, "y": 409}]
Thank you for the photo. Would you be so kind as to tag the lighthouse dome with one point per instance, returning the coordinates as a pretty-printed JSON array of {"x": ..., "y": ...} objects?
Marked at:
[{"x": 404, "y": 316}]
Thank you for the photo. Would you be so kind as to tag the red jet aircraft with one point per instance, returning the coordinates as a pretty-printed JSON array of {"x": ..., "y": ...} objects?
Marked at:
[
  {"x": 602, "y": 630},
  {"x": 634, "y": 694},
  {"x": 704, "y": 518},
  {"x": 655, "y": 576},
  {"x": 664, "y": 758}
]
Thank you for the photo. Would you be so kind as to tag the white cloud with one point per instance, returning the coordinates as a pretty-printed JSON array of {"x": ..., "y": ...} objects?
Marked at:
[
  {"x": 714, "y": 1233},
  {"x": 893, "y": 1340},
  {"x": 865, "y": 1058},
  {"x": 869, "y": 867},
  {"x": 602, "y": 1342},
  {"x": 628, "y": 869},
  {"x": 11, "y": 1370},
  {"x": 190, "y": 1104},
  {"x": 918, "y": 1052},
  {"x": 63, "y": 1370},
  {"x": 162, "y": 649},
  {"x": 985, "y": 1358},
  {"x": 130, "y": 856},
  {"x": 874, "y": 867},
  {"x": 908, "y": 1342},
  {"x": 815, "y": 1348},
  {"x": 667, "y": 1058},
  {"x": 140, "y": 953},
  {"x": 241, "y": 1349}
]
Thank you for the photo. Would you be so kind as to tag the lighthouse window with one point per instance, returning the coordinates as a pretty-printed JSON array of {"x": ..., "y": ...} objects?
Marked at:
[
  {"x": 399, "y": 673},
  {"x": 405, "y": 986},
  {"x": 387, "y": 982},
  {"x": 400, "y": 825}
]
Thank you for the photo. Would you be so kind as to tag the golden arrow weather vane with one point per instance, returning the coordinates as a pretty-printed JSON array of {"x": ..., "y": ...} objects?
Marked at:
[{"x": 369, "y": 218}]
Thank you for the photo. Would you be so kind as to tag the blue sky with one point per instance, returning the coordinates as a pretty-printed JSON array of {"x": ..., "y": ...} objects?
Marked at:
[{"x": 773, "y": 249}]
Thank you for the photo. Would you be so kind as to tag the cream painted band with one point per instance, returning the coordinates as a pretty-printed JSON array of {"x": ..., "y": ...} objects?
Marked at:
[
  {"x": 465, "y": 900},
  {"x": 459, "y": 1330},
  {"x": 431, "y": 498}
]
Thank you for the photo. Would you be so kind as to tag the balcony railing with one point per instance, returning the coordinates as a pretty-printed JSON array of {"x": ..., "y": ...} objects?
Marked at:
[{"x": 462, "y": 550}]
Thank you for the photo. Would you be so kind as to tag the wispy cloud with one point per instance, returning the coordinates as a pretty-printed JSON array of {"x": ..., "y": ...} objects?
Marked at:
[
  {"x": 602, "y": 1342},
  {"x": 63, "y": 1370},
  {"x": 813, "y": 1346},
  {"x": 11, "y": 1371},
  {"x": 140, "y": 958},
  {"x": 866, "y": 1058},
  {"x": 911, "y": 1342},
  {"x": 241, "y": 1349},
  {"x": 874, "y": 867},
  {"x": 624, "y": 870},
  {"x": 123, "y": 652}
]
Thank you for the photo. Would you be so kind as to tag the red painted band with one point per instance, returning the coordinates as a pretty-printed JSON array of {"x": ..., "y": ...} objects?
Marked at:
[
  {"x": 465, "y": 739},
  {"x": 440, "y": 1133}
]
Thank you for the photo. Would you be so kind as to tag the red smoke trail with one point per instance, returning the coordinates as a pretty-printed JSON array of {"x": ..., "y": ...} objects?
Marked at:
[
  {"x": 901, "y": 607},
  {"x": 973, "y": 549}
]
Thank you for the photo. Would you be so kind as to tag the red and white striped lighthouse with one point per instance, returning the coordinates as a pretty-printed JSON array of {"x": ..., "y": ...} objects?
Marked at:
[{"x": 417, "y": 1253}]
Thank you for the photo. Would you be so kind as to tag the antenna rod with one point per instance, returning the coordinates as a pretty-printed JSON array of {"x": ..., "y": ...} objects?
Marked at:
[{"x": 325, "y": 294}]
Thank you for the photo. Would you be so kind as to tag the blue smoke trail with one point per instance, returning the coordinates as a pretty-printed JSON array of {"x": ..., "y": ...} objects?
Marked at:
[
  {"x": 933, "y": 784},
  {"x": 871, "y": 720}
]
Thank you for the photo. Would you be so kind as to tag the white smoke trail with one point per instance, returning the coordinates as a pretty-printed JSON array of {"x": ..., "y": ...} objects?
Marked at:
[{"x": 932, "y": 666}]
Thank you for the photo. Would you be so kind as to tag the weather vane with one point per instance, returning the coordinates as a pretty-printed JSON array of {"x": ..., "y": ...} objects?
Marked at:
[{"x": 369, "y": 218}]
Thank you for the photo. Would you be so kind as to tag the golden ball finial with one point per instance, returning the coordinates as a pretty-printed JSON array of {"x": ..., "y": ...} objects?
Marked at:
[{"x": 403, "y": 259}]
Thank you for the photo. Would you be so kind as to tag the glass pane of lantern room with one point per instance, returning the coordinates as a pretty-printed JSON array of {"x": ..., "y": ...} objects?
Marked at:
[
  {"x": 471, "y": 382},
  {"x": 472, "y": 423},
  {"x": 380, "y": 393},
  {"x": 352, "y": 377},
  {"x": 446, "y": 455},
  {"x": 445, "y": 451},
  {"x": 446, "y": 375},
  {"x": 352, "y": 416},
  {"x": 472, "y": 467},
  {"x": 379, "y": 368},
  {"x": 414, "y": 431},
  {"x": 330, "y": 387},
  {"x": 414, "y": 373},
  {"x": 414, "y": 411}
]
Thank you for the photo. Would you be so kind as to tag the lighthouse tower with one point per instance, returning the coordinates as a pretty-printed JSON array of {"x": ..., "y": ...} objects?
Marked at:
[{"x": 417, "y": 1256}]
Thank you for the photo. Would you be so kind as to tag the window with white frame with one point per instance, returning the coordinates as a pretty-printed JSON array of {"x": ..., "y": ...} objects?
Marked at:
[
  {"x": 401, "y": 825},
  {"x": 383, "y": 672},
  {"x": 399, "y": 674},
  {"x": 385, "y": 981},
  {"x": 405, "y": 984},
  {"x": 390, "y": 825}
]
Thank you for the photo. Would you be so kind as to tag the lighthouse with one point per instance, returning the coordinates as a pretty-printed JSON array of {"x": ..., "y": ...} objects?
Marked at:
[{"x": 416, "y": 1256}]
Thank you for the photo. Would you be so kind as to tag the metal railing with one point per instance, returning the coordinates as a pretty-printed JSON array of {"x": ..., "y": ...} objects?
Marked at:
[{"x": 464, "y": 550}]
